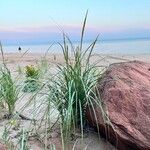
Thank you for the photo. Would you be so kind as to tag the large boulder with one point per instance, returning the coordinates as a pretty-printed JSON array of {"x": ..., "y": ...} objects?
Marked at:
[{"x": 125, "y": 90}]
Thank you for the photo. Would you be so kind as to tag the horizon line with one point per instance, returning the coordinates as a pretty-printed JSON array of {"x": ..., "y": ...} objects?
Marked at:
[{"x": 76, "y": 41}]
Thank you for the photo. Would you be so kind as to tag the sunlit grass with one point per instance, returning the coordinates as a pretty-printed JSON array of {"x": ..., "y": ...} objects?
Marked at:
[
  {"x": 73, "y": 88},
  {"x": 8, "y": 89}
]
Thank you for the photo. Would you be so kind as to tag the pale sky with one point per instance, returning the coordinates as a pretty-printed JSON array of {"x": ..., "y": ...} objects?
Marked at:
[{"x": 40, "y": 21}]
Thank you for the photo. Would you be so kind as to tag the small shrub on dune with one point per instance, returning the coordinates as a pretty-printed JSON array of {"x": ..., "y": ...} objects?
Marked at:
[
  {"x": 31, "y": 72},
  {"x": 32, "y": 75}
]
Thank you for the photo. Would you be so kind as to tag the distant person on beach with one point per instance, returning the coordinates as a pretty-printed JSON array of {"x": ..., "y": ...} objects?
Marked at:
[{"x": 19, "y": 49}]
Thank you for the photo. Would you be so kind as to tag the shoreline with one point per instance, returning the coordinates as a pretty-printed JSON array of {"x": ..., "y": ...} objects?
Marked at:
[{"x": 58, "y": 57}]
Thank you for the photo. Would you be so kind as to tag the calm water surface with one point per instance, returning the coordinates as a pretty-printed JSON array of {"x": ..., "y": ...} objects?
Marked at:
[{"x": 107, "y": 47}]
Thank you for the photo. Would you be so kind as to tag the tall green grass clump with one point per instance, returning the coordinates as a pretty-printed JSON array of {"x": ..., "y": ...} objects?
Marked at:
[
  {"x": 73, "y": 88},
  {"x": 8, "y": 89}
]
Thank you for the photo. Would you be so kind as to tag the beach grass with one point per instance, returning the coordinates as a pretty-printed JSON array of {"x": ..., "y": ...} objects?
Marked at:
[
  {"x": 73, "y": 88},
  {"x": 8, "y": 90},
  {"x": 66, "y": 94}
]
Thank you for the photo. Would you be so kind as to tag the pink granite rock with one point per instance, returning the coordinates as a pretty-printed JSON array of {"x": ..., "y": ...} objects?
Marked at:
[{"x": 125, "y": 90}]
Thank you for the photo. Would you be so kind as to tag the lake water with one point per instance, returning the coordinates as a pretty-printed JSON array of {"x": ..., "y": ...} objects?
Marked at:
[{"x": 105, "y": 47}]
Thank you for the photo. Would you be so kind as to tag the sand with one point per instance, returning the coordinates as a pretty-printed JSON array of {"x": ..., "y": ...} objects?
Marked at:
[{"x": 13, "y": 60}]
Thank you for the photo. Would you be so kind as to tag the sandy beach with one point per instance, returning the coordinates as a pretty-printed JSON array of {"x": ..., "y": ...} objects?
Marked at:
[{"x": 15, "y": 60}]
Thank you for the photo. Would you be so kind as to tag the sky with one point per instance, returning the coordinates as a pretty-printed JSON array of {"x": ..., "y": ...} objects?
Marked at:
[{"x": 43, "y": 21}]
